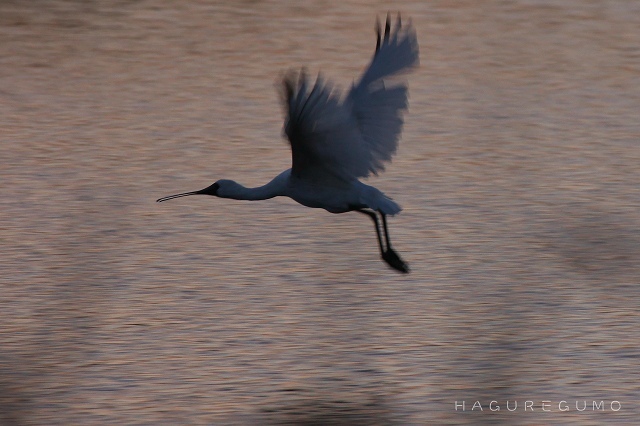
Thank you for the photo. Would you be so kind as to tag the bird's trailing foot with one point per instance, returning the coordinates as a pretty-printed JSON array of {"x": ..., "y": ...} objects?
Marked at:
[{"x": 393, "y": 259}]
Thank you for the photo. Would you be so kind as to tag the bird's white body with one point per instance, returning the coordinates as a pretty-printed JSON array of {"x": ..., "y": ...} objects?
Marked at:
[
  {"x": 337, "y": 140},
  {"x": 337, "y": 196}
]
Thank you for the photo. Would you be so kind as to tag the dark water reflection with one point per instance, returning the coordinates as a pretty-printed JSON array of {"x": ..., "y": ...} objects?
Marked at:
[{"x": 517, "y": 171}]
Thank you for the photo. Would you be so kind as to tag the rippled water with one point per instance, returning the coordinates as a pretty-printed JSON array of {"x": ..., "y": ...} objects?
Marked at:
[{"x": 518, "y": 173}]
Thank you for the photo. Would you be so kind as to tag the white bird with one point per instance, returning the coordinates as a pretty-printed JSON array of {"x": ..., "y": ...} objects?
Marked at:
[{"x": 335, "y": 141}]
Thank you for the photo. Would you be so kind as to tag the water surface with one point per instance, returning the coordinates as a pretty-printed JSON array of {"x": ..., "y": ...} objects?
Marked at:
[{"x": 518, "y": 174}]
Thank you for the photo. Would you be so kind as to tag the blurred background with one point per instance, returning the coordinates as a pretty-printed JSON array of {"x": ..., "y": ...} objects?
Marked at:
[{"x": 517, "y": 171}]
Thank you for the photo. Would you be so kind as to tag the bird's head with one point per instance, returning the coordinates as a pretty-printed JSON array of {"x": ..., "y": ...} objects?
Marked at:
[{"x": 220, "y": 189}]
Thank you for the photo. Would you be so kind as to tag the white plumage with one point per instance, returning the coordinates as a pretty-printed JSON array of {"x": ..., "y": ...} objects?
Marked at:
[{"x": 334, "y": 141}]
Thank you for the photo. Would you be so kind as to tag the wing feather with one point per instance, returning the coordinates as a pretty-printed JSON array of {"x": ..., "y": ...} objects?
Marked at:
[
  {"x": 378, "y": 106},
  {"x": 350, "y": 138}
]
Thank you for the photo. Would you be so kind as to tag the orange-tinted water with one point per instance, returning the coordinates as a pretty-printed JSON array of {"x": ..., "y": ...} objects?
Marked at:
[{"x": 518, "y": 171}]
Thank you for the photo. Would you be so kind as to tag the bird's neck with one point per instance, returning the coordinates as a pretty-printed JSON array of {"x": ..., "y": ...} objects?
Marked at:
[
  {"x": 276, "y": 187},
  {"x": 260, "y": 193}
]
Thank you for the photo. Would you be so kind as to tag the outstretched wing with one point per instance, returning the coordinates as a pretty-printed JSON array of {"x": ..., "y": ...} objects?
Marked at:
[
  {"x": 325, "y": 141},
  {"x": 350, "y": 138},
  {"x": 377, "y": 105}
]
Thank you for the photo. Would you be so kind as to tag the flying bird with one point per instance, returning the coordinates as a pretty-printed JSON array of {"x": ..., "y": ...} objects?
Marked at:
[{"x": 335, "y": 140}]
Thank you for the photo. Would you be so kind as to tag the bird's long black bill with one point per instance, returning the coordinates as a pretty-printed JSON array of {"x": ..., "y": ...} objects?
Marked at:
[{"x": 184, "y": 194}]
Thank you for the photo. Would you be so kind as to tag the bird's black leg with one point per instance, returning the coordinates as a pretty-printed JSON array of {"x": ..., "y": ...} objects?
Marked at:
[
  {"x": 386, "y": 230},
  {"x": 373, "y": 217},
  {"x": 389, "y": 255}
]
